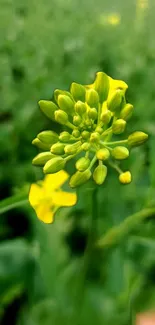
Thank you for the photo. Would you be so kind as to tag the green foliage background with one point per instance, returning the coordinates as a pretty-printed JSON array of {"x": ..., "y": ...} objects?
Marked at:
[{"x": 46, "y": 45}]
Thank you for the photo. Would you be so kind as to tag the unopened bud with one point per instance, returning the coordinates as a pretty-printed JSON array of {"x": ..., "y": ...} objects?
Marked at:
[
  {"x": 80, "y": 178},
  {"x": 99, "y": 174},
  {"x": 125, "y": 178},
  {"x": 106, "y": 116},
  {"x": 95, "y": 137},
  {"x": 61, "y": 117},
  {"x": 48, "y": 108},
  {"x": 103, "y": 154},
  {"x": 120, "y": 152},
  {"x": 99, "y": 130},
  {"x": 64, "y": 136},
  {"x": 80, "y": 107},
  {"x": 78, "y": 92},
  {"x": 92, "y": 98},
  {"x": 41, "y": 145},
  {"x": 54, "y": 165},
  {"x": 101, "y": 85},
  {"x": 48, "y": 137},
  {"x": 82, "y": 164},
  {"x": 58, "y": 148},
  {"x": 58, "y": 92},
  {"x": 92, "y": 113},
  {"x": 77, "y": 120},
  {"x": 137, "y": 138},
  {"x": 85, "y": 146},
  {"x": 76, "y": 133},
  {"x": 118, "y": 126},
  {"x": 42, "y": 158},
  {"x": 66, "y": 104},
  {"x": 114, "y": 101},
  {"x": 87, "y": 122},
  {"x": 71, "y": 149},
  {"x": 126, "y": 112},
  {"x": 85, "y": 135}
]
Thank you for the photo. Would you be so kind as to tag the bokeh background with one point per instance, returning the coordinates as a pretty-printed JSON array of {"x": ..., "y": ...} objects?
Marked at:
[{"x": 46, "y": 45}]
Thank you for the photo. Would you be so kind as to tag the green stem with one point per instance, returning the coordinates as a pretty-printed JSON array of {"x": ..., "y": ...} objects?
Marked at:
[
  {"x": 93, "y": 162},
  {"x": 117, "y": 233},
  {"x": 107, "y": 131},
  {"x": 72, "y": 156},
  {"x": 115, "y": 166},
  {"x": 104, "y": 144},
  {"x": 87, "y": 253},
  {"x": 13, "y": 202},
  {"x": 117, "y": 142},
  {"x": 70, "y": 125}
]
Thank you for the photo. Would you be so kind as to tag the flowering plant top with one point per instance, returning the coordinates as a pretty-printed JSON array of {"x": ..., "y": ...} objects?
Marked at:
[{"x": 92, "y": 115}]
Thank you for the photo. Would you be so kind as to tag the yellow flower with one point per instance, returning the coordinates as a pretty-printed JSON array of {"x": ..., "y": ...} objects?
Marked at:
[
  {"x": 113, "y": 19},
  {"x": 47, "y": 196},
  {"x": 114, "y": 84}
]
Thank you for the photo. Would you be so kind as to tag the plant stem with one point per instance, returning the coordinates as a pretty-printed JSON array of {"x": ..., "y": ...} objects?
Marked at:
[
  {"x": 117, "y": 142},
  {"x": 87, "y": 253},
  {"x": 70, "y": 125},
  {"x": 13, "y": 202},
  {"x": 115, "y": 235}
]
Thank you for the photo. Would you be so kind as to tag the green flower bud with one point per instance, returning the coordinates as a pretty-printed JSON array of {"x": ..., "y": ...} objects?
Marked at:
[
  {"x": 54, "y": 165},
  {"x": 64, "y": 136},
  {"x": 92, "y": 113},
  {"x": 66, "y": 104},
  {"x": 48, "y": 108},
  {"x": 92, "y": 98},
  {"x": 118, "y": 126},
  {"x": 85, "y": 135},
  {"x": 76, "y": 133},
  {"x": 120, "y": 152},
  {"x": 99, "y": 130},
  {"x": 48, "y": 137},
  {"x": 58, "y": 92},
  {"x": 137, "y": 138},
  {"x": 85, "y": 146},
  {"x": 114, "y": 101},
  {"x": 82, "y": 164},
  {"x": 106, "y": 116},
  {"x": 42, "y": 158},
  {"x": 80, "y": 107},
  {"x": 41, "y": 145},
  {"x": 102, "y": 85},
  {"x": 80, "y": 178},
  {"x": 99, "y": 174},
  {"x": 77, "y": 120},
  {"x": 95, "y": 137},
  {"x": 78, "y": 92},
  {"x": 58, "y": 148},
  {"x": 71, "y": 149},
  {"x": 61, "y": 117},
  {"x": 126, "y": 112},
  {"x": 125, "y": 178},
  {"x": 103, "y": 154},
  {"x": 88, "y": 122}
]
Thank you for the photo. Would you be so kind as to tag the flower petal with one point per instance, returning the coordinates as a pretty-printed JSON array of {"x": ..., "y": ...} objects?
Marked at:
[
  {"x": 61, "y": 198},
  {"x": 114, "y": 84},
  {"x": 44, "y": 213},
  {"x": 35, "y": 194},
  {"x": 55, "y": 181}
]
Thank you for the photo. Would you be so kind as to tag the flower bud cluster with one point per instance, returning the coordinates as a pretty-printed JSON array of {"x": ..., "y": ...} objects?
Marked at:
[{"x": 92, "y": 115}]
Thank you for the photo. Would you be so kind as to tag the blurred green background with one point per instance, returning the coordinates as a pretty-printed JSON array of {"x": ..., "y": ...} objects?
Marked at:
[{"x": 46, "y": 45}]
